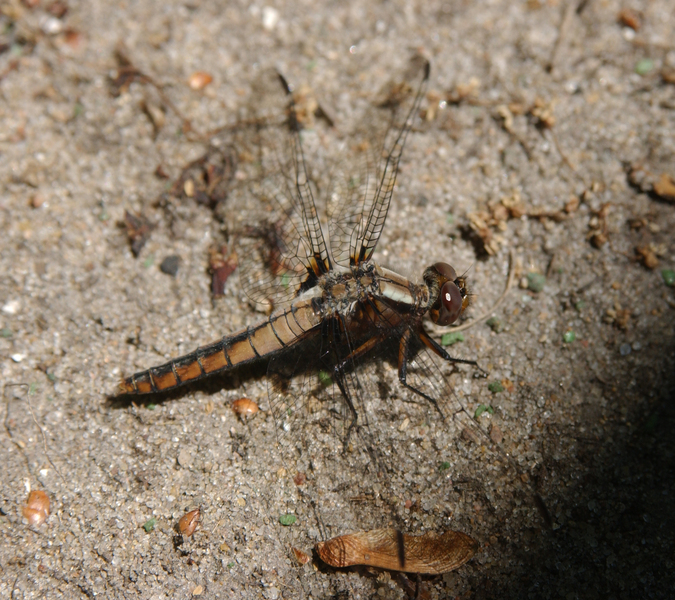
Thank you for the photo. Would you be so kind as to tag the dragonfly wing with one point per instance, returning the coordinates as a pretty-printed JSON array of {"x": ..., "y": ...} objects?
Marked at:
[
  {"x": 282, "y": 251},
  {"x": 365, "y": 192}
]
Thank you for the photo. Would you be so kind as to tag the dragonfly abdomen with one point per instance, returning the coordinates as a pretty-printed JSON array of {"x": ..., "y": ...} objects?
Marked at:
[{"x": 280, "y": 330}]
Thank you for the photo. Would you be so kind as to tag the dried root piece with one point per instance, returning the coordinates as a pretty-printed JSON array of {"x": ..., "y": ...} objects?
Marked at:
[{"x": 430, "y": 553}]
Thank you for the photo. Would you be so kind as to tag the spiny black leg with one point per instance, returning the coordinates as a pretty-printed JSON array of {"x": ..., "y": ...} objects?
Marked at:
[
  {"x": 339, "y": 373},
  {"x": 436, "y": 348},
  {"x": 403, "y": 350}
]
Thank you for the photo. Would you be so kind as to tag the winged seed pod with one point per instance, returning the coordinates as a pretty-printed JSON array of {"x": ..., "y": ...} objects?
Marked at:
[{"x": 429, "y": 554}]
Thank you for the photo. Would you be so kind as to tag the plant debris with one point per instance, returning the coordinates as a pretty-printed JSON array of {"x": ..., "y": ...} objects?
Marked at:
[
  {"x": 429, "y": 553},
  {"x": 138, "y": 231}
]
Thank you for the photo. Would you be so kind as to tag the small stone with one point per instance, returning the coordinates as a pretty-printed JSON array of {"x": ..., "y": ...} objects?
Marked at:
[
  {"x": 185, "y": 457},
  {"x": 11, "y": 307},
  {"x": 270, "y": 17},
  {"x": 199, "y": 80},
  {"x": 170, "y": 265}
]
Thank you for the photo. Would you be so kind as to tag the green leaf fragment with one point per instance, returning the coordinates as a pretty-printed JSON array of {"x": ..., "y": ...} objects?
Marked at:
[
  {"x": 495, "y": 387},
  {"x": 151, "y": 406},
  {"x": 484, "y": 408},
  {"x": 32, "y": 389},
  {"x": 644, "y": 66},
  {"x": 6, "y": 332},
  {"x": 444, "y": 466},
  {"x": 148, "y": 261},
  {"x": 569, "y": 337},
  {"x": 452, "y": 337},
  {"x": 149, "y": 525},
  {"x": 325, "y": 379},
  {"x": 668, "y": 277},
  {"x": 287, "y": 519},
  {"x": 535, "y": 282},
  {"x": 495, "y": 324}
]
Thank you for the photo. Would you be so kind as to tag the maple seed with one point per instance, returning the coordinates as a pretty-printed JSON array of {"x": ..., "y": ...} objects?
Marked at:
[
  {"x": 429, "y": 553},
  {"x": 189, "y": 521},
  {"x": 302, "y": 557},
  {"x": 37, "y": 508}
]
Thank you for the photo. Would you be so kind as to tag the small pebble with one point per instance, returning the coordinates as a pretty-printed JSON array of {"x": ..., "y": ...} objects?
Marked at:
[
  {"x": 189, "y": 521},
  {"x": 11, "y": 307},
  {"x": 625, "y": 349},
  {"x": 244, "y": 407},
  {"x": 37, "y": 508},
  {"x": 199, "y": 80},
  {"x": 170, "y": 265}
]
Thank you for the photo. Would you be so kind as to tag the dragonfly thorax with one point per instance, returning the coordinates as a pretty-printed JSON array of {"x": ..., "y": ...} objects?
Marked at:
[{"x": 341, "y": 291}]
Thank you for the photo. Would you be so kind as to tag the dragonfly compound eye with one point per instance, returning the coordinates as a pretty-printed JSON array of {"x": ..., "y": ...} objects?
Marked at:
[
  {"x": 451, "y": 302},
  {"x": 446, "y": 271}
]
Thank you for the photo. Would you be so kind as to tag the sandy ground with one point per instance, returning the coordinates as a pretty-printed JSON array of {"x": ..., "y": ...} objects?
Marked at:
[{"x": 547, "y": 109}]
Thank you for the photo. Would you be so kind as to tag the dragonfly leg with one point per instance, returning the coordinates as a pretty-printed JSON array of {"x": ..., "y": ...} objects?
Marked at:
[
  {"x": 339, "y": 375},
  {"x": 403, "y": 353},
  {"x": 436, "y": 348}
]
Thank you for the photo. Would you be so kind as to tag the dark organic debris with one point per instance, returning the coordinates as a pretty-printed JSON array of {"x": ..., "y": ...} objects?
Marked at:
[
  {"x": 207, "y": 179},
  {"x": 221, "y": 264},
  {"x": 138, "y": 231}
]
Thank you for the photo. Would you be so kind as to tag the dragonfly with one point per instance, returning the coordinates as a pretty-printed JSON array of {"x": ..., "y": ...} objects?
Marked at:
[{"x": 334, "y": 308}]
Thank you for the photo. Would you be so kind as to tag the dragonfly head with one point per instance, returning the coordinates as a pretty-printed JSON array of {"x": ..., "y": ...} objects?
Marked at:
[{"x": 448, "y": 295}]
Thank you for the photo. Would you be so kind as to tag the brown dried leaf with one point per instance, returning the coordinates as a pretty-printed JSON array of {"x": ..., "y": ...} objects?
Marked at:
[
  {"x": 189, "y": 521},
  {"x": 429, "y": 553},
  {"x": 37, "y": 508}
]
